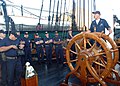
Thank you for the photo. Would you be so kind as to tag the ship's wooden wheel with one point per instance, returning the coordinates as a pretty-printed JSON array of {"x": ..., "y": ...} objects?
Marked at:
[{"x": 94, "y": 59}]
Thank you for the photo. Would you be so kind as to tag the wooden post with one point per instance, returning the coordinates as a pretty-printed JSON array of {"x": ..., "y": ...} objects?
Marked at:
[{"x": 32, "y": 81}]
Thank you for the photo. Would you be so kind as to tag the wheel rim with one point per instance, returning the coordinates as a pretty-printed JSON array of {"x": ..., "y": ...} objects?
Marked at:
[{"x": 89, "y": 55}]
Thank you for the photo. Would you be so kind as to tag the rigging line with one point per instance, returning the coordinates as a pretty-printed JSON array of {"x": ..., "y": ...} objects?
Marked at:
[
  {"x": 30, "y": 12},
  {"x": 23, "y": 9},
  {"x": 41, "y": 11},
  {"x": 18, "y": 8},
  {"x": 31, "y": 8},
  {"x": 57, "y": 13},
  {"x": 91, "y": 9},
  {"x": 88, "y": 13},
  {"x": 53, "y": 15},
  {"x": 94, "y": 5},
  {"x": 60, "y": 12},
  {"x": 27, "y": 7},
  {"x": 68, "y": 18},
  {"x": 26, "y": 11},
  {"x": 73, "y": 16},
  {"x": 83, "y": 13},
  {"x": 63, "y": 18},
  {"x": 9, "y": 1},
  {"x": 69, "y": 13},
  {"x": 79, "y": 14},
  {"x": 49, "y": 14}
]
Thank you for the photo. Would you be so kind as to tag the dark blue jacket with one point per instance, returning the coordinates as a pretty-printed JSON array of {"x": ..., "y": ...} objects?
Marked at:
[
  {"x": 100, "y": 26},
  {"x": 8, "y": 42}
]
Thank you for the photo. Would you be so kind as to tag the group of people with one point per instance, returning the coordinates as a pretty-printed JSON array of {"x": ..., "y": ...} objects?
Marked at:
[
  {"x": 15, "y": 51},
  {"x": 47, "y": 43},
  {"x": 12, "y": 63}
]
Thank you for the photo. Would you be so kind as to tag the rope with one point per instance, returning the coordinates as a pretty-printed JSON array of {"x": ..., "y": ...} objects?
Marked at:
[
  {"x": 53, "y": 15},
  {"x": 57, "y": 12},
  {"x": 41, "y": 11},
  {"x": 60, "y": 12},
  {"x": 49, "y": 14},
  {"x": 77, "y": 11},
  {"x": 80, "y": 15},
  {"x": 83, "y": 12},
  {"x": 26, "y": 11},
  {"x": 94, "y": 5},
  {"x": 88, "y": 14},
  {"x": 63, "y": 19}
]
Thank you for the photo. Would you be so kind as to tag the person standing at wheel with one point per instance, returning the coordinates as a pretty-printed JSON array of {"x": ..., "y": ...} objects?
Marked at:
[{"x": 99, "y": 24}]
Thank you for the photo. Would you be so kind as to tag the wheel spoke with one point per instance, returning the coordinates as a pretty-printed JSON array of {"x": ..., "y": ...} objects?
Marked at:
[
  {"x": 99, "y": 64},
  {"x": 95, "y": 72},
  {"x": 93, "y": 46},
  {"x": 99, "y": 54},
  {"x": 73, "y": 52},
  {"x": 71, "y": 61},
  {"x": 102, "y": 60},
  {"x": 89, "y": 42},
  {"x": 77, "y": 45},
  {"x": 85, "y": 41}
]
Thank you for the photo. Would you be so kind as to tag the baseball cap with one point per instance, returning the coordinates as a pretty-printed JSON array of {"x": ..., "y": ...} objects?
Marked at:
[
  {"x": 2, "y": 31},
  {"x": 46, "y": 32},
  {"x": 96, "y": 12},
  {"x": 26, "y": 33},
  {"x": 56, "y": 32},
  {"x": 36, "y": 34},
  {"x": 15, "y": 34}
]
